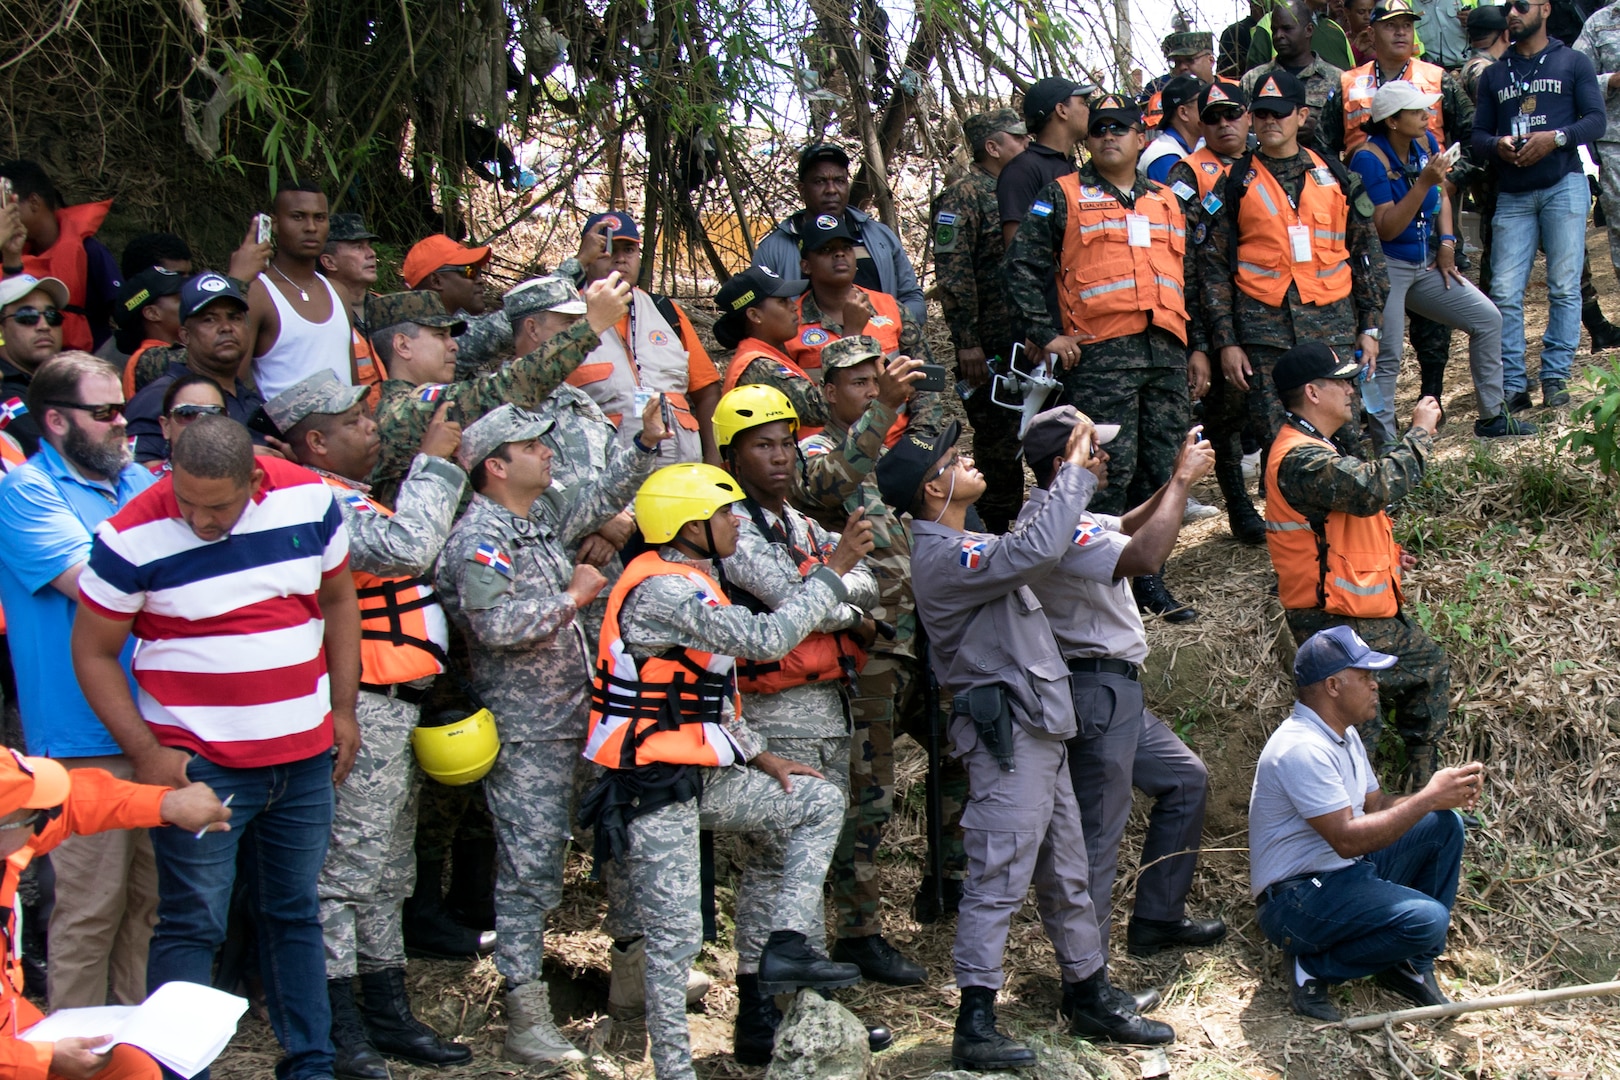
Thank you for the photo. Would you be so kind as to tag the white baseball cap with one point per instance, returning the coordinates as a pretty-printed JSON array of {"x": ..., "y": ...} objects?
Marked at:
[
  {"x": 14, "y": 288},
  {"x": 1393, "y": 97}
]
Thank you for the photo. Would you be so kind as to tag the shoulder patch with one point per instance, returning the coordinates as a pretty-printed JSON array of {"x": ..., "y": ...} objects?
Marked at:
[
  {"x": 945, "y": 218},
  {"x": 493, "y": 557},
  {"x": 815, "y": 449},
  {"x": 1183, "y": 190},
  {"x": 1212, "y": 203},
  {"x": 1041, "y": 208},
  {"x": 10, "y": 410},
  {"x": 1364, "y": 205},
  {"x": 972, "y": 555},
  {"x": 1210, "y": 167},
  {"x": 1087, "y": 531},
  {"x": 1200, "y": 231},
  {"x": 431, "y": 392},
  {"x": 814, "y": 336},
  {"x": 880, "y": 320},
  {"x": 357, "y": 502}
]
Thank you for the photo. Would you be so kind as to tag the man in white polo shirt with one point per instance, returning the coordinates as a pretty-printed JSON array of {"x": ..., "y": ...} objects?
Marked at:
[{"x": 1350, "y": 880}]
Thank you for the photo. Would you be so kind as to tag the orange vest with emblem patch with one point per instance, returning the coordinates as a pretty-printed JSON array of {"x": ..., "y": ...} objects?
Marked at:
[{"x": 1108, "y": 288}]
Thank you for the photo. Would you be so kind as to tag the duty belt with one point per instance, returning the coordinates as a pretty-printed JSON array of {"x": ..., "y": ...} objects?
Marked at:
[{"x": 1106, "y": 666}]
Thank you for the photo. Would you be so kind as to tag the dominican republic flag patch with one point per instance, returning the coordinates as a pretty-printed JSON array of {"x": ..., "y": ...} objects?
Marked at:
[
  {"x": 491, "y": 556},
  {"x": 11, "y": 410},
  {"x": 972, "y": 553},
  {"x": 1086, "y": 532},
  {"x": 357, "y": 502},
  {"x": 431, "y": 392}
]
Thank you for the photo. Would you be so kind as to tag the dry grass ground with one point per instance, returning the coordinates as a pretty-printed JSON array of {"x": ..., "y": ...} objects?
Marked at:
[{"x": 1517, "y": 577}]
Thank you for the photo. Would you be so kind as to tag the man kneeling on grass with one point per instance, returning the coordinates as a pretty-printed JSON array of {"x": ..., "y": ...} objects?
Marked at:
[{"x": 1349, "y": 880}]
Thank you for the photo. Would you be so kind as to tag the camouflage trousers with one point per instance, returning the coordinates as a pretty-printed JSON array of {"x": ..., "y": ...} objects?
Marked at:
[
  {"x": 661, "y": 870},
  {"x": 1417, "y": 690},
  {"x": 370, "y": 866},
  {"x": 892, "y": 696},
  {"x": 995, "y": 454},
  {"x": 1609, "y": 197},
  {"x": 530, "y": 792},
  {"x": 1150, "y": 406},
  {"x": 1265, "y": 411}
]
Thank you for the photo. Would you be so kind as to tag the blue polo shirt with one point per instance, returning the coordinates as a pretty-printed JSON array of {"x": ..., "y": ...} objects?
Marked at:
[{"x": 48, "y": 516}]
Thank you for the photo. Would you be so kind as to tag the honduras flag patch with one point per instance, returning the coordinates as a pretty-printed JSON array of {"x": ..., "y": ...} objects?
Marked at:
[{"x": 1041, "y": 208}]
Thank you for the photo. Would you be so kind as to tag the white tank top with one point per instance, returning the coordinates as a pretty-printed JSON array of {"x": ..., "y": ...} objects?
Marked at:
[{"x": 303, "y": 347}]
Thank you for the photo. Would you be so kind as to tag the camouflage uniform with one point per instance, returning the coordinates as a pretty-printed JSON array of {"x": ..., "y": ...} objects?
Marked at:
[
  {"x": 662, "y": 864},
  {"x": 1315, "y": 479},
  {"x": 912, "y": 343},
  {"x": 483, "y": 345},
  {"x": 370, "y": 863},
  {"x": 1322, "y": 88},
  {"x": 1482, "y": 186},
  {"x": 809, "y": 723},
  {"x": 893, "y": 689},
  {"x": 968, "y": 250},
  {"x": 1600, "y": 42},
  {"x": 1138, "y": 382},
  {"x": 503, "y": 579},
  {"x": 1264, "y": 332},
  {"x": 155, "y": 361},
  {"x": 804, "y": 393}
]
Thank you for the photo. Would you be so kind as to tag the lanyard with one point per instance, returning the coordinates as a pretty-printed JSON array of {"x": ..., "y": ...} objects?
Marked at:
[
  {"x": 1307, "y": 427},
  {"x": 1378, "y": 73},
  {"x": 1521, "y": 83}
]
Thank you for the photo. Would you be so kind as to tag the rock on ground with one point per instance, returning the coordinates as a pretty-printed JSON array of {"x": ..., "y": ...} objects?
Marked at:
[{"x": 819, "y": 1040}]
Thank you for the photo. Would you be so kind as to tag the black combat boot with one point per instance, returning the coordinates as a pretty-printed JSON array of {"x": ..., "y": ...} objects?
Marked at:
[
  {"x": 1605, "y": 335},
  {"x": 1241, "y": 517},
  {"x": 353, "y": 1056},
  {"x": 926, "y": 911},
  {"x": 430, "y": 930},
  {"x": 753, "y": 1039},
  {"x": 395, "y": 1031},
  {"x": 1098, "y": 1012},
  {"x": 788, "y": 963},
  {"x": 879, "y": 961},
  {"x": 1153, "y": 598},
  {"x": 977, "y": 1046}
]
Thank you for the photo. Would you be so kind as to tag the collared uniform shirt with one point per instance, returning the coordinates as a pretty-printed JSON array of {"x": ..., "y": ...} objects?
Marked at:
[{"x": 1093, "y": 613}]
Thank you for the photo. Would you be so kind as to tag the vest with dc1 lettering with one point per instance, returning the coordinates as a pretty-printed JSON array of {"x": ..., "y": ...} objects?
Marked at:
[
  {"x": 1265, "y": 264},
  {"x": 1108, "y": 288}
]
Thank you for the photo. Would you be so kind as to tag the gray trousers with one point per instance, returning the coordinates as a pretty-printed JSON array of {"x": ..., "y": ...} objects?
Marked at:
[
  {"x": 1020, "y": 828},
  {"x": 1422, "y": 290},
  {"x": 1122, "y": 745}
]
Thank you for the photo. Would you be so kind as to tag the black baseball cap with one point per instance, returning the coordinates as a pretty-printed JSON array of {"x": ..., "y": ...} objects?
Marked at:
[
  {"x": 1115, "y": 107},
  {"x": 1395, "y": 9},
  {"x": 204, "y": 289},
  {"x": 1179, "y": 91},
  {"x": 1222, "y": 95},
  {"x": 819, "y": 231},
  {"x": 138, "y": 290},
  {"x": 1486, "y": 21},
  {"x": 816, "y": 153},
  {"x": 742, "y": 291},
  {"x": 905, "y": 467},
  {"x": 1047, "y": 94},
  {"x": 1279, "y": 94},
  {"x": 1309, "y": 362}
]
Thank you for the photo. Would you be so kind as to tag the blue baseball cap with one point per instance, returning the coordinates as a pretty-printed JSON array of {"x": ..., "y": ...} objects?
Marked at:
[
  {"x": 622, "y": 224},
  {"x": 204, "y": 289},
  {"x": 1328, "y": 652}
]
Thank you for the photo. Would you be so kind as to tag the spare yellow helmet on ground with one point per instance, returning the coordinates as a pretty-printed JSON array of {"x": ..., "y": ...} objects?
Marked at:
[
  {"x": 454, "y": 748},
  {"x": 750, "y": 406},
  {"x": 676, "y": 494}
]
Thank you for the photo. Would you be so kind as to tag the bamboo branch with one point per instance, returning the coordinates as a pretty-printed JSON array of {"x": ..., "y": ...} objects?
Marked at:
[{"x": 1458, "y": 1008}]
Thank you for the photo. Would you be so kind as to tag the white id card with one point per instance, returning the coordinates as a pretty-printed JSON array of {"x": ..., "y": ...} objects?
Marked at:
[
  {"x": 642, "y": 398},
  {"x": 1137, "y": 232},
  {"x": 1299, "y": 242}
]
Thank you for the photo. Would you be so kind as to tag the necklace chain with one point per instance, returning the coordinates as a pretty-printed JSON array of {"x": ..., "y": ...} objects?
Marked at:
[{"x": 302, "y": 295}]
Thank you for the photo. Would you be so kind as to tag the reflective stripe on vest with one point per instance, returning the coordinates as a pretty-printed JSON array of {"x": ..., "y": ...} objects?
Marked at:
[
  {"x": 1265, "y": 261},
  {"x": 805, "y": 347},
  {"x": 1208, "y": 169},
  {"x": 1357, "y": 86},
  {"x": 667, "y": 708},
  {"x": 655, "y": 360},
  {"x": 1343, "y": 564},
  {"x": 66, "y": 261},
  {"x": 403, "y": 633},
  {"x": 1108, "y": 289}
]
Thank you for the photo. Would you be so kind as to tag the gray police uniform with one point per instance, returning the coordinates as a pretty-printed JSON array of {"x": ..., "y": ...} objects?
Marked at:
[
  {"x": 987, "y": 629},
  {"x": 1120, "y": 743}
]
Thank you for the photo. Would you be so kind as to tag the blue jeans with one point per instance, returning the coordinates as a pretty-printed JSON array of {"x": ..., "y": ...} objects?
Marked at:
[
  {"x": 1553, "y": 219},
  {"x": 1392, "y": 906},
  {"x": 281, "y": 820}
]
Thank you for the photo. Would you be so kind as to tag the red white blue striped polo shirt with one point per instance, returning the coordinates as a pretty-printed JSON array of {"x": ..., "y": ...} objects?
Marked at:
[{"x": 228, "y": 656}]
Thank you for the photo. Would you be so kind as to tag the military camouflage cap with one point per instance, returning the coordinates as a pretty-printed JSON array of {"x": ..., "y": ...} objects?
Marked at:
[
  {"x": 849, "y": 351},
  {"x": 980, "y": 126},
  {"x": 321, "y": 392},
  {"x": 1188, "y": 43},
  {"x": 349, "y": 227},
  {"x": 543, "y": 294},
  {"x": 422, "y": 307},
  {"x": 493, "y": 430}
]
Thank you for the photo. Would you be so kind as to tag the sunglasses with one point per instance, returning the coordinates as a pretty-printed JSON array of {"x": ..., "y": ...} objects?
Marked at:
[
  {"x": 28, "y": 316},
  {"x": 468, "y": 272},
  {"x": 101, "y": 414},
  {"x": 1522, "y": 6},
  {"x": 1109, "y": 127},
  {"x": 191, "y": 412}
]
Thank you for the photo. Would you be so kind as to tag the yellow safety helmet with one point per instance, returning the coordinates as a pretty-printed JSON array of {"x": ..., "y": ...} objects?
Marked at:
[
  {"x": 750, "y": 406},
  {"x": 455, "y": 748},
  {"x": 676, "y": 494}
]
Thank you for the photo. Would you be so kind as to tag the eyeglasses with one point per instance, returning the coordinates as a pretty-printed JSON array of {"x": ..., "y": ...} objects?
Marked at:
[
  {"x": 955, "y": 460},
  {"x": 469, "y": 272},
  {"x": 26, "y": 823},
  {"x": 101, "y": 414},
  {"x": 28, "y": 316},
  {"x": 1109, "y": 127},
  {"x": 189, "y": 413}
]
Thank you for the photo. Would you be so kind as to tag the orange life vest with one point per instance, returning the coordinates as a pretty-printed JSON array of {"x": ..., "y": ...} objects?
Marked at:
[
  {"x": 367, "y": 372},
  {"x": 403, "y": 633},
  {"x": 1207, "y": 168},
  {"x": 1109, "y": 289},
  {"x": 805, "y": 349},
  {"x": 821, "y": 657},
  {"x": 130, "y": 389},
  {"x": 751, "y": 349},
  {"x": 666, "y": 708},
  {"x": 1341, "y": 563},
  {"x": 66, "y": 261},
  {"x": 1265, "y": 263},
  {"x": 1357, "y": 86}
]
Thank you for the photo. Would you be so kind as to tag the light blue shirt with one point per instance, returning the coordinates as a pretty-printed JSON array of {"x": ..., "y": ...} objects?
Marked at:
[{"x": 48, "y": 516}]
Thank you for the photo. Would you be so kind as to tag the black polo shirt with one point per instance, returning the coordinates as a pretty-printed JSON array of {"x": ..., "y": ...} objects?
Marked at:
[
  {"x": 15, "y": 419},
  {"x": 1024, "y": 177},
  {"x": 146, "y": 406}
]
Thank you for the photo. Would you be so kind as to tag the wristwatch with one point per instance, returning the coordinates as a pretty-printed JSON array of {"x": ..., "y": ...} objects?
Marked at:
[
  {"x": 1561, "y": 137},
  {"x": 1376, "y": 335}
]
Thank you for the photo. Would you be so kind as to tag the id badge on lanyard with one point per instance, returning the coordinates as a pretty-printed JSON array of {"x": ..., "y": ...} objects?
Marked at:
[
  {"x": 1138, "y": 234},
  {"x": 1299, "y": 243}
]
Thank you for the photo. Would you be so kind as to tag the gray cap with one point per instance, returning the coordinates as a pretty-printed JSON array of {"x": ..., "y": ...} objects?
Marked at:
[
  {"x": 321, "y": 392},
  {"x": 849, "y": 351},
  {"x": 542, "y": 294},
  {"x": 493, "y": 430},
  {"x": 14, "y": 288},
  {"x": 1048, "y": 433}
]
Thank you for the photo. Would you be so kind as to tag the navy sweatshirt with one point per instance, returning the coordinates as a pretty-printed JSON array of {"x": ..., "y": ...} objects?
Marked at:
[{"x": 1562, "y": 95}]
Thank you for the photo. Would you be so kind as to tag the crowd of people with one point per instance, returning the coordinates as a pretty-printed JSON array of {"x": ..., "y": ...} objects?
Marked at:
[{"x": 317, "y": 599}]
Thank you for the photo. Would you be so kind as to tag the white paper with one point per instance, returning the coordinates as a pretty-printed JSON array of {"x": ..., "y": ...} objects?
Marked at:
[
  {"x": 1138, "y": 231},
  {"x": 184, "y": 1026},
  {"x": 1299, "y": 241}
]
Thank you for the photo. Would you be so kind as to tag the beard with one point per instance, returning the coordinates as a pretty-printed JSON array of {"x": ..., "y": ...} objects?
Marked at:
[
  {"x": 105, "y": 457},
  {"x": 1530, "y": 29}
]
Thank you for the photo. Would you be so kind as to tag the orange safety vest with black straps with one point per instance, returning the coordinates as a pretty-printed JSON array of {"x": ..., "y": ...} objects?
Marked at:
[
  {"x": 1207, "y": 168},
  {"x": 1358, "y": 85},
  {"x": 1338, "y": 562},
  {"x": 66, "y": 261},
  {"x": 820, "y": 657},
  {"x": 130, "y": 389},
  {"x": 403, "y": 633},
  {"x": 1265, "y": 262},
  {"x": 367, "y": 372},
  {"x": 1109, "y": 287},
  {"x": 884, "y": 325},
  {"x": 667, "y": 708}
]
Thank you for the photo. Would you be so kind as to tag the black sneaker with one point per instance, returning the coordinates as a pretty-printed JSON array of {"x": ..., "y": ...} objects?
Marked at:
[
  {"x": 1501, "y": 426},
  {"x": 1520, "y": 401},
  {"x": 1554, "y": 393},
  {"x": 1404, "y": 980},
  {"x": 879, "y": 961},
  {"x": 1311, "y": 998}
]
